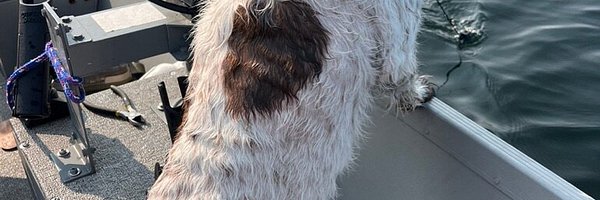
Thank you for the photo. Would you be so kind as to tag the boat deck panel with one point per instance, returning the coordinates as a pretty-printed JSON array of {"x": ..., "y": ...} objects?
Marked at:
[
  {"x": 124, "y": 157},
  {"x": 397, "y": 162}
]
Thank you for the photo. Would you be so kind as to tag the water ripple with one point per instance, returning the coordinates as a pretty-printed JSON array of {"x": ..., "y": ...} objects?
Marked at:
[{"x": 532, "y": 79}]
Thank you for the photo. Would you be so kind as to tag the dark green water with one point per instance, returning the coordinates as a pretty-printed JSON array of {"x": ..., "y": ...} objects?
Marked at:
[{"x": 533, "y": 80}]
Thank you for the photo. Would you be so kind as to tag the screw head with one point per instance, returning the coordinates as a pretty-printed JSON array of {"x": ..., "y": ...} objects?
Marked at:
[
  {"x": 78, "y": 37},
  {"x": 24, "y": 145},
  {"x": 496, "y": 180},
  {"x": 74, "y": 172},
  {"x": 63, "y": 153}
]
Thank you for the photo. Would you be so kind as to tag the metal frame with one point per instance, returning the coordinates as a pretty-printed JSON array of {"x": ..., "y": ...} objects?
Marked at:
[
  {"x": 32, "y": 180},
  {"x": 95, "y": 49},
  {"x": 75, "y": 161},
  {"x": 502, "y": 165},
  {"x": 85, "y": 48}
]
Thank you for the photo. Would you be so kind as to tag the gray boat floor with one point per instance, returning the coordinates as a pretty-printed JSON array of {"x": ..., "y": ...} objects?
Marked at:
[{"x": 13, "y": 182}]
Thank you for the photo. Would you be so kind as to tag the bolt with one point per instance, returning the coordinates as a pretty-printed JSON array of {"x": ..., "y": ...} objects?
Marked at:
[
  {"x": 74, "y": 172},
  {"x": 160, "y": 107},
  {"x": 496, "y": 180},
  {"x": 67, "y": 28},
  {"x": 24, "y": 145},
  {"x": 78, "y": 37},
  {"x": 63, "y": 153},
  {"x": 66, "y": 19}
]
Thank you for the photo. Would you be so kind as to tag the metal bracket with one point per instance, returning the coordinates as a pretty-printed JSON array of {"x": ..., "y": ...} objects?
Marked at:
[
  {"x": 139, "y": 30},
  {"x": 172, "y": 114},
  {"x": 75, "y": 161},
  {"x": 86, "y": 45}
]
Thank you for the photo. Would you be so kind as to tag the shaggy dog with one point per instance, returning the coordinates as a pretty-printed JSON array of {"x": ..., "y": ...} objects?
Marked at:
[{"x": 280, "y": 91}]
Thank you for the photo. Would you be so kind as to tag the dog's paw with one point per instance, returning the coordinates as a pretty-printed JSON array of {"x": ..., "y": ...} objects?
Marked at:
[
  {"x": 420, "y": 91},
  {"x": 424, "y": 88}
]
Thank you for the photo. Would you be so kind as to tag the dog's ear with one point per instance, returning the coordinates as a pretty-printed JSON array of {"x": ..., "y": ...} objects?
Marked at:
[{"x": 273, "y": 53}]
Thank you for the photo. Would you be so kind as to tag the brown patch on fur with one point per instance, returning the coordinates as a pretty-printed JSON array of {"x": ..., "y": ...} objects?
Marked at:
[{"x": 273, "y": 53}]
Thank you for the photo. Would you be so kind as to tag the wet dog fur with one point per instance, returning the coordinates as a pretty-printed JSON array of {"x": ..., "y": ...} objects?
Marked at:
[{"x": 280, "y": 92}]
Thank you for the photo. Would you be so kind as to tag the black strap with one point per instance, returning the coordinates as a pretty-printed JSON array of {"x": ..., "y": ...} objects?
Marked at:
[{"x": 177, "y": 8}]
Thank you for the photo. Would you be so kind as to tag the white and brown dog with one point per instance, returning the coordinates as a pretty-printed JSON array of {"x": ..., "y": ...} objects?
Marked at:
[{"x": 280, "y": 92}]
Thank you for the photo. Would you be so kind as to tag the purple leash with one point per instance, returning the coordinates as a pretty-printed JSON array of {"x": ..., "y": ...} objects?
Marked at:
[{"x": 65, "y": 79}]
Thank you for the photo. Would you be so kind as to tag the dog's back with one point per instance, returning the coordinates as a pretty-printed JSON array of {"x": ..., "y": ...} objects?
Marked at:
[{"x": 279, "y": 94}]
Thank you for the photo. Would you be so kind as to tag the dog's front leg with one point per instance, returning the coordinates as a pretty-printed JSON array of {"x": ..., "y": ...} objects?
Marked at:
[{"x": 397, "y": 23}]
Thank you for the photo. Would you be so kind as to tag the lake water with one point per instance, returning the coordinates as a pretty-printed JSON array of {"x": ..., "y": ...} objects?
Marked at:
[{"x": 533, "y": 78}]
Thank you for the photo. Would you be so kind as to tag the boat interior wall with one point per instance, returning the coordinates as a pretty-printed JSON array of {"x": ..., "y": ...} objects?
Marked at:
[{"x": 438, "y": 153}]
